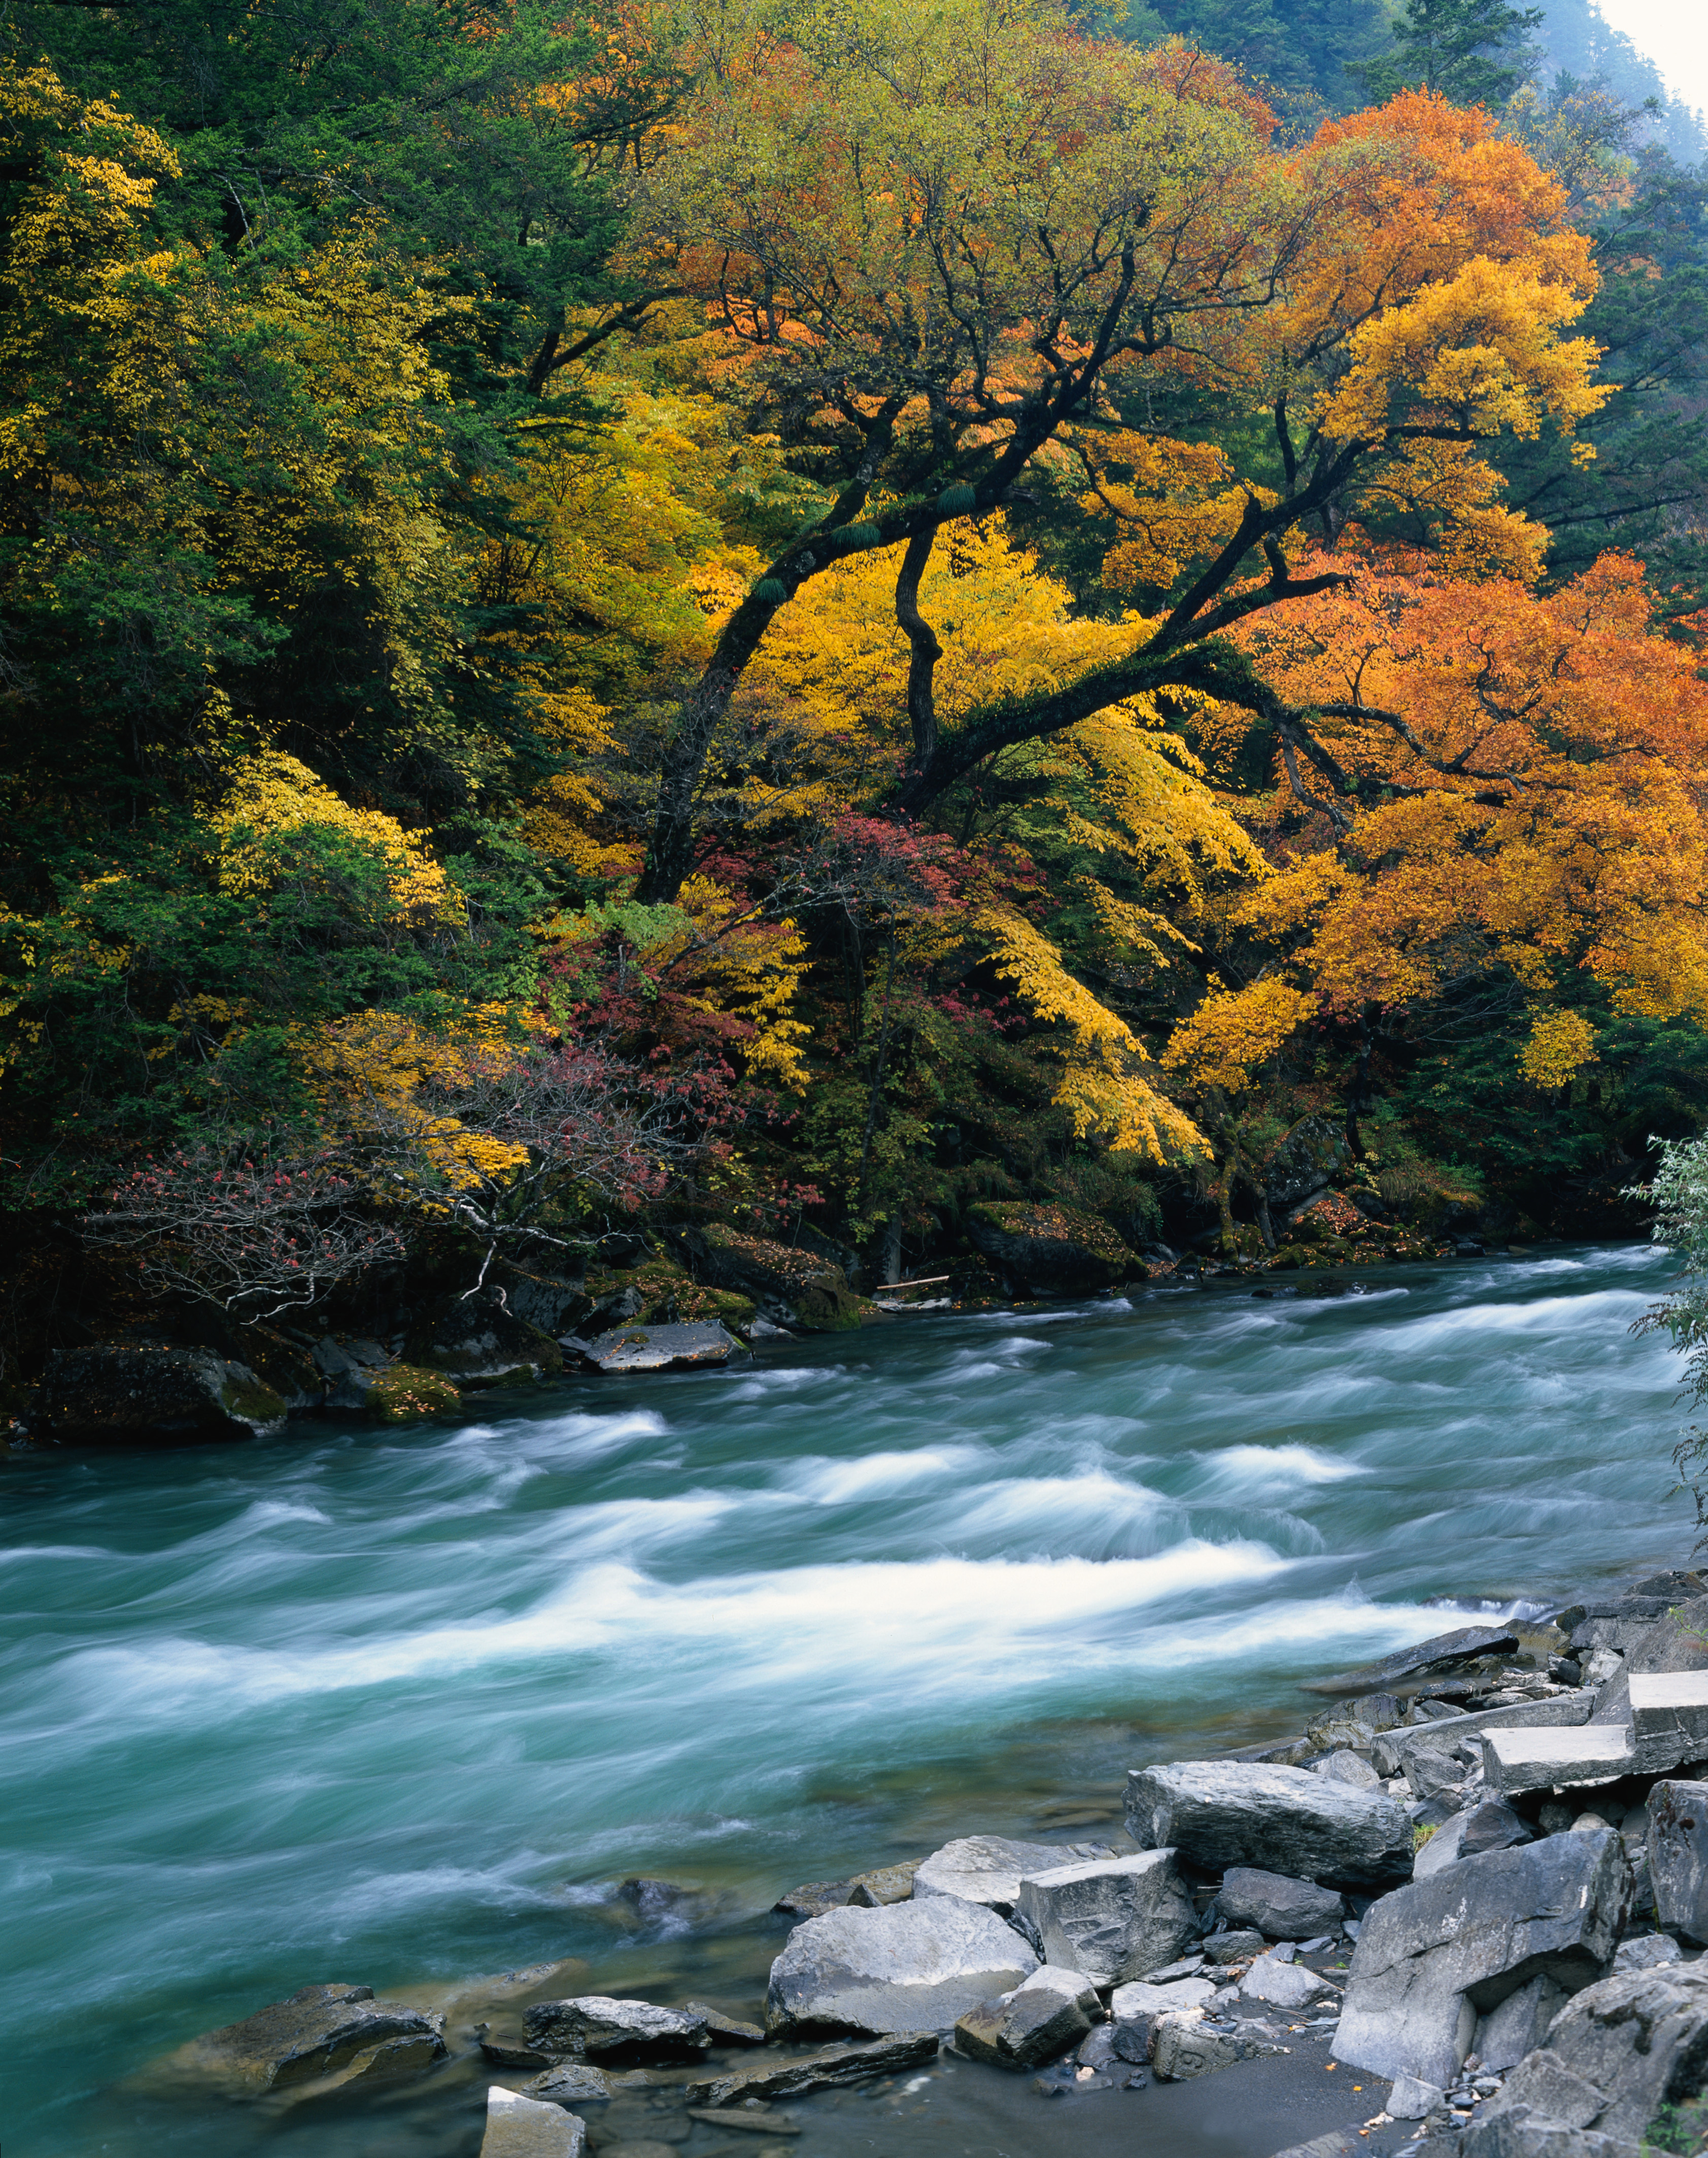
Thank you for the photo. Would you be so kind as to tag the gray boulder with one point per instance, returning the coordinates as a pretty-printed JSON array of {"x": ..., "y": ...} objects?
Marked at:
[
  {"x": 519, "y": 2127},
  {"x": 1223, "y": 1814},
  {"x": 1276, "y": 1904},
  {"x": 814, "y": 1898},
  {"x": 144, "y": 1395},
  {"x": 1042, "y": 2018},
  {"x": 1433, "y": 1956},
  {"x": 987, "y": 1869},
  {"x": 1128, "y": 2003},
  {"x": 1348, "y": 1766},
  {"x": 1678, "y": 1856},
  {"x": 1616, "y": 2055},
  {"x": 1490, "y": 1825},
  {"x": 830, "y": 2068},
  {"x": 319, "y": 2031},
  {"x": 905, "y": 1967},
  {"x": 595, "y": 2024},
  {"x": 1114, "y": 1918}
]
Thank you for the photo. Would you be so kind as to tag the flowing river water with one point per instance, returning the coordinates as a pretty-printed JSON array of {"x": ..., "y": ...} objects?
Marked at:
[{"x": 399, "y": 1708}]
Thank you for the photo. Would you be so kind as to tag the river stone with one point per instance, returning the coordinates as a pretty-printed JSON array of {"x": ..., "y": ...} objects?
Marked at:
[
  {"x": 814, "y": 1898},
  {"x": 597, "y": 2024},
  {"x": 121, "y": 1394},
  {"x": 682, "y": 1346},
  {"x": 1276, "y": 1904},
  {"x": 478, "y": 1341},
  {"x": 572, "y": 2083},
  {"x": 1409, "y": 1663},
  {"x": 1183, "y": 2047},
  {"x": 1052, "y": 2011},
  {"x": 905, "y": 1967},
  {"x": 1114, "y": 1918},
  {"x": 1283, "y": 1985},
  {"x": 1411, "y": 2100},
  {"x": 519, "y": 2127},
  {"x": 1616, "y": 2054},
  {"x": 1678, "y": 1856},
  {"x": 987, "y": 1869},
  {"x": 1431, "y": 1956},
  {"x": 828, "y": 2069},
  {"x": 322, "y": 2029},
  {"x": 1223, "y": 1814},
  {"x": 1238, "y": 1945}
]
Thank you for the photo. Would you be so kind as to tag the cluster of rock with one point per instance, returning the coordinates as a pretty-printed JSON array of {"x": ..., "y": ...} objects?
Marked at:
[{"x": 1522, "y": 1931}]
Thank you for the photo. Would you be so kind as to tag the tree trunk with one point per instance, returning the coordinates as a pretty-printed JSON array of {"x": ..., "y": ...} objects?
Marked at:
[
  {"x": 921, "y": 666},
  {"x": 877, "y": 1088}
]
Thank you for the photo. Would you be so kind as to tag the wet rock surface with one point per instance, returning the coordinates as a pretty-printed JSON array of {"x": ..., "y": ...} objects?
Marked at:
[
  {"x": 1045, "y": 2015},
  {"x": 318, "y": 2031}
]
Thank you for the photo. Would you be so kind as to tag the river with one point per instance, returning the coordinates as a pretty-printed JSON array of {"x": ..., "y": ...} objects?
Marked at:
[{"x": 399, "y": 1707}]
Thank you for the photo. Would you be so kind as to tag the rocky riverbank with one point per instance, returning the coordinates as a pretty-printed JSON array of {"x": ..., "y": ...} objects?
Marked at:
[
  {"x": 1461, "y": 1913},
  {"x": 681, "y": 1298}
]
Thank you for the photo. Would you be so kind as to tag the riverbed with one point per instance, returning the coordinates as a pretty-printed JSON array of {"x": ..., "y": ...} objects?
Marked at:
[{"x": 396, "y": 1708}]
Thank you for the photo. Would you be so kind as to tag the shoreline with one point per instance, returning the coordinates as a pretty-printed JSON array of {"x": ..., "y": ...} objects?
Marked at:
[{"x": 629, "y": 2088}]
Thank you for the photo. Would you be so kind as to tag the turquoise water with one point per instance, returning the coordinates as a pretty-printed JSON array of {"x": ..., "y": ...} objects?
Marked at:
[{"x": 399, "y": 1709}]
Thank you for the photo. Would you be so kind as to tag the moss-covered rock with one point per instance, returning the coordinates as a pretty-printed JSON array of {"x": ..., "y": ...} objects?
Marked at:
[
  {"x": 151, "y": 1394},
  {"x": 1051, "y": 1250},
  {"x": 405, "y": 1393},
  {"x": 476, "y": 1341}
]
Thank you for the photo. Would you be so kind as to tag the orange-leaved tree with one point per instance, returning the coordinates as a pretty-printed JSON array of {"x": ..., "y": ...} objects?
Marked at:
[{"x": 1503, "y": 786}]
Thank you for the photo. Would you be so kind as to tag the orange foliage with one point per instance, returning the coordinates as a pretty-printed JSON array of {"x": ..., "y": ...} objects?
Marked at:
[{"x": 1522, "y": 787}]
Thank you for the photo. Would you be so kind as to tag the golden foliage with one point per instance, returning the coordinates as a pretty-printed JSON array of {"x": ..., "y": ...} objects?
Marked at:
[
  {"x": 273, "y": 793},
  {"x": 1105, "y": 1096},
  {"x": 1559, "y": 1045},
  {"x": 1234, "y": 1032}
]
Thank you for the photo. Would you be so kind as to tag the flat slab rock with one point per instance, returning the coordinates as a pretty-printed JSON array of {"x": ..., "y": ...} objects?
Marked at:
[
  {"x": 319, "y": 2031},
  {"x": 1409, "y": 1662},
  {"x": 1434, "y": 1957},
  {"x": 988, "y": 1868},
  {"x": 904, "y": 1967},
  {"x": 1223, "y": 1814},
  {"x": 634, "y": 1348},
  {"x": 830, "y": 2067},
  {"x": 519, "y": 2127}
]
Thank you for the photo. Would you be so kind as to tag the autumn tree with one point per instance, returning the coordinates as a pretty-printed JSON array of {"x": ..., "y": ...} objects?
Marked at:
[
  {"x": 1503, "y": 792},
  {"x": 946, "y": 260}
]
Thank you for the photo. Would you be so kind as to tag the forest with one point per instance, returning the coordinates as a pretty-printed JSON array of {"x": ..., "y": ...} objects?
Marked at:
[{"x": 835, "y": 627}]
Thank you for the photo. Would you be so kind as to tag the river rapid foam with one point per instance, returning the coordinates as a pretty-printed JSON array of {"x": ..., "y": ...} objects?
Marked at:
[{"x": 398, "y": 1708}]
